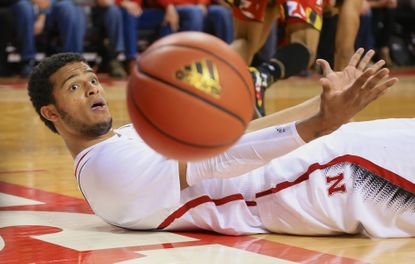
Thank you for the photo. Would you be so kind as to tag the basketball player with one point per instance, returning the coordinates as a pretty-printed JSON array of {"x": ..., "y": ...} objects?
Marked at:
[
  {"x": 253, "y": 20},
  {"x": 347, "y": 182}
]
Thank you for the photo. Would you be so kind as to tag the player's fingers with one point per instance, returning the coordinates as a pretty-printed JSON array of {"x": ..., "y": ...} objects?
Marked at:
[
  {"x": 325, "y": 66},
  {"x": 366, "y": 59},
  {"x": 375, "y": 79},
  {"x": 356, "y": 57},
  {"x": 378, "y": 65},
  {"x": 381, "y": 89},
  {"x": 361, "y": 82}
]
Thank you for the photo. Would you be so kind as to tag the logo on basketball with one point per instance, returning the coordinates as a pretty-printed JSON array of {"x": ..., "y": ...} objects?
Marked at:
[{"x": 203, "y": 75}]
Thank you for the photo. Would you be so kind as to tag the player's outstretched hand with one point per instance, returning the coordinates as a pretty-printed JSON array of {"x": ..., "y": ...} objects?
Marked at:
[{"x": 347, "y": 92}]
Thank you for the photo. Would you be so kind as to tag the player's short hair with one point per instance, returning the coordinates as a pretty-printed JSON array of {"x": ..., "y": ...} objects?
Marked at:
[{"x": 40, "y": 88}]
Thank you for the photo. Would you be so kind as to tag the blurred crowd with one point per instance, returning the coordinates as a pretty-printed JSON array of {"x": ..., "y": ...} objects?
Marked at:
[{"x": 116, "y": 31}]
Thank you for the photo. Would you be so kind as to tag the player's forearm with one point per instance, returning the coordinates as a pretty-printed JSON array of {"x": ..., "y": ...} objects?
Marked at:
[
  {"x": 315, "y": 126},
  {"x": 294, "y": 113},
  {"x": 252, "y": 151}
]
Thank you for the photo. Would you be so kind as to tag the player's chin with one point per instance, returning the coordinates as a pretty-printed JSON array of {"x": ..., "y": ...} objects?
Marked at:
[
  {"x": 101, "y": 117},
  {"x": 99, "y": 128}
]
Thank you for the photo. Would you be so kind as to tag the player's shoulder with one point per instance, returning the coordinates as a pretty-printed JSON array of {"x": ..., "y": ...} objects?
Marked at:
[{"x": 108, "y": 146}]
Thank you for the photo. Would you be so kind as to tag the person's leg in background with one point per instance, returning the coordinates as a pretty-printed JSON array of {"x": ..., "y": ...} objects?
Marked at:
[
  {"x": 151, "y": 19},
  {"x": 251, "y": 32},
  {"x": 191, "y": 18},
  {"x": 6, "y": 20},
  {"x": 383, "y": 22},
  {"x": 25, "y": 19},
  {"x": 364, "y": 38},
  {"x": 109, "y": 22},
  {"x": 268, "y": 49},
  {"x": 327, "y": 46},
  {"x": 71, "y": 22},
  {"x": 218, "y": 22},
  {"x": 348, "y": 25}
]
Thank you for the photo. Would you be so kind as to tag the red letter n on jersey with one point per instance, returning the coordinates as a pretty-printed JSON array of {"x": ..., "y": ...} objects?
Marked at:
[{"x": 336, "y": 184}]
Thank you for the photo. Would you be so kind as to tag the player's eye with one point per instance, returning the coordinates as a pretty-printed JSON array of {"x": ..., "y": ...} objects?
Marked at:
[
  {"x": 94, "y": 81},
  {"x": 73, "y": 87}
]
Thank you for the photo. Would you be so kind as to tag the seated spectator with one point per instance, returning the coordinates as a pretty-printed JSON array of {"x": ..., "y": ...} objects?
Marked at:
[
  {"x": 65, "y": 17},
  {"x": 218, "y": 19},
  {"x": 383, "y": 20},
  {"x": 107, "y": 19},
  {"x": 159, "y": 15},
  {"x": 16, "y": 20}
]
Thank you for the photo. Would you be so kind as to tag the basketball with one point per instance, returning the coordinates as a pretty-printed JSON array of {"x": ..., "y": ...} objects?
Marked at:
[{"x": 191, "y": 96}]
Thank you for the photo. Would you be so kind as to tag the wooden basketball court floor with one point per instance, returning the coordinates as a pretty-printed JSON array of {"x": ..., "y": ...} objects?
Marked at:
[{"x": 44, "y": 219}]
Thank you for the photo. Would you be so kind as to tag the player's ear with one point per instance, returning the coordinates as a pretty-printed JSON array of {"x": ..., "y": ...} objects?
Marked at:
[{"x": 49, "y": 112}]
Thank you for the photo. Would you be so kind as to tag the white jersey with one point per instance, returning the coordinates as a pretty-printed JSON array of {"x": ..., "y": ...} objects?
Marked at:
[{"x": 360, "y": 179}]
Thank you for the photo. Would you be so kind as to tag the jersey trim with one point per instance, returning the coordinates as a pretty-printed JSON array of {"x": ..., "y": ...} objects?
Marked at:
[
  {"x": 198, "y": 201},
  {"x": 79, "y": 162},
  {"x": 388, "y": 175}
]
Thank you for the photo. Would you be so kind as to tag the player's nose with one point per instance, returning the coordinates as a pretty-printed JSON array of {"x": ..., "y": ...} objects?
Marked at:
[{"x": 91, "y": 89}]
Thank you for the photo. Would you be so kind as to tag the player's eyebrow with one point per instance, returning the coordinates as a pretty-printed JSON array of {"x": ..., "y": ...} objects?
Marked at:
[
  {"x": 67, "y": 79},
  {"x": 74, "y": 75}
]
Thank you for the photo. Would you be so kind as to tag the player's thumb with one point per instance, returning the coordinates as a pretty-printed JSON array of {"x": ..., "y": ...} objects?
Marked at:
[
  {"x": 325, "y": 66},
  {"x": 326, "y": 84}
]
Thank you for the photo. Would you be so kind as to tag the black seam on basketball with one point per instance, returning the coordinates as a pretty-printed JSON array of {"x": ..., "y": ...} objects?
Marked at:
[
  {"x": 193, "y": 95},
  {"x": 170, "y": 136},
  {"x": 207, "y": 51}
]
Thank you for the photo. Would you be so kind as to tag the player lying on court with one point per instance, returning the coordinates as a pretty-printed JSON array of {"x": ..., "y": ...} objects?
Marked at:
[{"x": 358, "y": 179}]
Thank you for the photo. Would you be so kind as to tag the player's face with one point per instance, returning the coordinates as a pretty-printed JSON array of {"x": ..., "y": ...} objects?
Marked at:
[{"x": 80, "y": 100}]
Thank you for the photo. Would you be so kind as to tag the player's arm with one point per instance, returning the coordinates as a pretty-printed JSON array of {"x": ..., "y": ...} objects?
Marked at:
[
  {"x": 344, "y": 94},
  {"x": 297, "y": 112},
  {"x": 252, "y": 151}
]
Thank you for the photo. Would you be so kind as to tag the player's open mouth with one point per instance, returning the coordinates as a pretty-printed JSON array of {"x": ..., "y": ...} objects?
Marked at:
[{"x": 99, "y": 105}]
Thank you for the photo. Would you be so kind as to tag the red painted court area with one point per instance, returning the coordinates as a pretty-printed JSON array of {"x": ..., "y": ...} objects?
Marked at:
[{"x": 26, "y": 242}]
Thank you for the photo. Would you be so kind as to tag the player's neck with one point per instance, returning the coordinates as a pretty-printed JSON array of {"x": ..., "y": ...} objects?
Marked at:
[{"x": 77, "y": 143}]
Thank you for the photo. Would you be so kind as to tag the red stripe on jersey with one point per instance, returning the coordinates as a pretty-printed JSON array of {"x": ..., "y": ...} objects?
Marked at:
[
  {"x": 388, "y": 175},
  {"x": 196, "y": 202},
  {"x": 79, "y": 162}
]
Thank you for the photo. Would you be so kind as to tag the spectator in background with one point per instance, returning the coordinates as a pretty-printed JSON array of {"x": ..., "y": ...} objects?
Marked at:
[
  {"x": 168, "y": 16},
  {"x": 107, "y": 19},
  {"x": 340, "y": 29},
  {"x": 304, "y": 24},
  {"x": 383, "y": 14},
  {"x": 17, "y": 16},
  {"x": 6, "y": 22},
  {"x": 364, "y": 37},
  {"x": 161, "y": 16},
  {"x": 65, "y": 17},
  {"x": 217, "y": 18}
]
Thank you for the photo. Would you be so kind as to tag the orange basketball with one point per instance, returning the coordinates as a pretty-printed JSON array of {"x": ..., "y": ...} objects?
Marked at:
[{"x": 191, "y": 96}]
